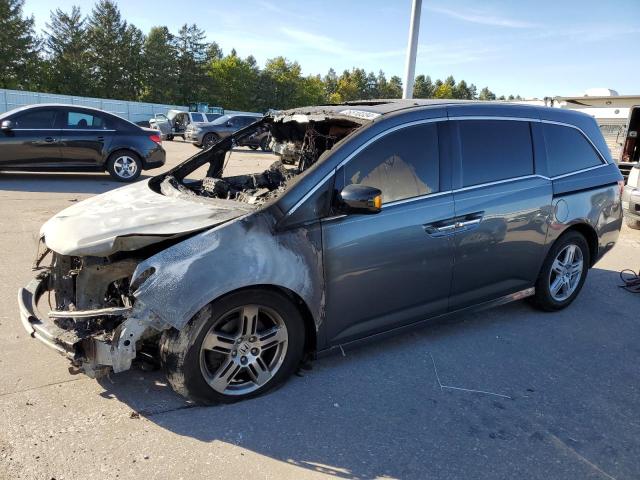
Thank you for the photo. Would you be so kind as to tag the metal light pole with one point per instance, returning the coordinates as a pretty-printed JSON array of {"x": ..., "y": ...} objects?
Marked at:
[{"x": 412, "y": 48}]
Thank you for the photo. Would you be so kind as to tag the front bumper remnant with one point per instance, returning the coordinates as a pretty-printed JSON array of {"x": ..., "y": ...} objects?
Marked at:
[{"x": 95, "y": 354}]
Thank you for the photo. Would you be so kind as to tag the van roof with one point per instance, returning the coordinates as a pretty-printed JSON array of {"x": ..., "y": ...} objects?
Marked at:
[{"x": 370, "y": 109}]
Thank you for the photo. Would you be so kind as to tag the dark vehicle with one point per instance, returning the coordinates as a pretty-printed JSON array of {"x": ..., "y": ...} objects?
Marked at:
[
  {"x": 260, "y": 139},
  {"x": 398, "y": 213},
  {"x": 205, "y": 135},
  {"x": 70, "y": 138}
]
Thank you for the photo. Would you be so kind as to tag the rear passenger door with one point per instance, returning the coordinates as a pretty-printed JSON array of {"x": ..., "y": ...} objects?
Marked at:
[
  {"x": 84, "y": 137},
  {"x": 501, "y": 209}
]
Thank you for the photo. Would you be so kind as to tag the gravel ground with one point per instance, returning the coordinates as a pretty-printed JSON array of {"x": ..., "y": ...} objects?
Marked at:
[{"x": 561, "y": 390}]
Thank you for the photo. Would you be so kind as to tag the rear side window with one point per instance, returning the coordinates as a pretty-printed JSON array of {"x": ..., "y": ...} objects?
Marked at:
[
  {"x": 568, "y": 150},
  {"x": 402, "y": 164},
  {"x": 197, "y": 117},
  {"x": 82, "y": 120},
  {"x": 36, "y": 119},
  {"x": 494, "y": 150}
]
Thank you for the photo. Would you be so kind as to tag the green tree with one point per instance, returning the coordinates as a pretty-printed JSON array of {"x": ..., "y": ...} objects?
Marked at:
[
  {"x": 444, "y": 91},
  {"x": 423, "y": 87},
  {"x": 20, "y": 64},
  {"x": 234, "y": 83},
  {"x": 330, "y": 81},
  {"x": 486, "y": 94},
  {"x": 114, "y": 53},
  {"x": 160, "y": 66},
  {"x": 192, "y": 64},
  {"x": 67, "y": 53}
]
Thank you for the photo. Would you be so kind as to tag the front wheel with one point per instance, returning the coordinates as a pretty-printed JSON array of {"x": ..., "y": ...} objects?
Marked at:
[
  {"x": 209, "y": 140},
  {"x": 235, "y": 348},
  {"x": 563, "y": 273},
  {"x": 124, "y": 166}
]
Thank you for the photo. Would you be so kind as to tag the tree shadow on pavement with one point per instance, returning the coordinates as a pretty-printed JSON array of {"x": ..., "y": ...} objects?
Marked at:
[{"x": 488, "y": 394}]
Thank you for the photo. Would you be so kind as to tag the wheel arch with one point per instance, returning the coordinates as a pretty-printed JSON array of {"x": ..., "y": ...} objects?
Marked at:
[{"x": 590, "y": 235}]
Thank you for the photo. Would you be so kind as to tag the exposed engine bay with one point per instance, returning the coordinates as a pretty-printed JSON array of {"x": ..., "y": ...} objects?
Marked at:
[{"x": 299, "y": 140}]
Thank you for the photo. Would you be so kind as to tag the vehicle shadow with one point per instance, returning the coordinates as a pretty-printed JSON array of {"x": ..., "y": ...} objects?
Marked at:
[
  {"x": 438, "y": 401},
  {"x": 59, "y": 182}
]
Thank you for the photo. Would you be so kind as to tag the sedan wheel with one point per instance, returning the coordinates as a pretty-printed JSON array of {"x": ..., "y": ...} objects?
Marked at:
[{"x": 124, "y": 166}]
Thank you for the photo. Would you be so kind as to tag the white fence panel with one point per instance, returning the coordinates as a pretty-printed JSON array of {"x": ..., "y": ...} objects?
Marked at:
[{"x": 132, "y": 111}]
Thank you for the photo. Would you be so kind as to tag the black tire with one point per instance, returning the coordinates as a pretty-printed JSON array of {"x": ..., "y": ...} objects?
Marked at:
[
  {"x": 264, "y": 144},
  {"x": 543, "y": 298},
  {"x": 180, "y": 351},
  {"x": 117, "y": 162},
  {"x": 208, "y": 140},
  {"x": 253, "y": 147},
  {"x": 632, "y": 223},
  {"x": 170, "y": 138}
]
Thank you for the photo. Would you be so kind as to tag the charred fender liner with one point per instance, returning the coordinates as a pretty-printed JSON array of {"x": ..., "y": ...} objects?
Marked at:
[{"x": 94, "y": 355}]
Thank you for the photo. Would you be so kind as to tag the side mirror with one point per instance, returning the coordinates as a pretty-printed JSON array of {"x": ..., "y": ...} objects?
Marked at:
[
  {"x": 7, "y": 125},
  {"x": 361, "y": 199}
]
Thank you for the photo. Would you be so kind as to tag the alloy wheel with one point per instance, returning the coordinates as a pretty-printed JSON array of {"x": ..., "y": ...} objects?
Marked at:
[
  {"x": 125, "y": 166},
  {"x": 566, "y": 272},
  {"x": 243, "y": 350}
]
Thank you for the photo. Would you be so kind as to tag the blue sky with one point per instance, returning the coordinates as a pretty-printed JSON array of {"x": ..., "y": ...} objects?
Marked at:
[{"x": 535, "y": 49}]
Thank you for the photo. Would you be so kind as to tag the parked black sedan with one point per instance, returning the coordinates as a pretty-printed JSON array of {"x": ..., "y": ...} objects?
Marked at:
[{"x": 49, "y": 137}]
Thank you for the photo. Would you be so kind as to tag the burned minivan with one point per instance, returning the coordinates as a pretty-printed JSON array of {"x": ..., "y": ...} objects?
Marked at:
[{"x": 393, "y": 213}]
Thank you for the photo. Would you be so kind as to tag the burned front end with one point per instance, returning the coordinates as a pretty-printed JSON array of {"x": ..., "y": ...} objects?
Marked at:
[
  {"x": 83, "y": 307},
  {"x": 115, "y": 271}
]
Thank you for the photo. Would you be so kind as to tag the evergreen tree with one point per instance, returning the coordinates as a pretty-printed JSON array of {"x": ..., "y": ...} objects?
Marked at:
[
  {"x": 192, "y": 64},
  {"x": 486, "y": 94},
  {"x": 423, "y": 87},
  {"x": 114, "y": 53},
  {"x": 67, "y": 53},
  {"x": 19, "y": 47},
  {"x": 160, "y": 66}
]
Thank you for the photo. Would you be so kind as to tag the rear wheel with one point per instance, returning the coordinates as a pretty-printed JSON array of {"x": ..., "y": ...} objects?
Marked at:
[
  {"x": 563, "y": 273},
  {"x": 124, "y": 166},
  {"x": 632, "y": 223},
  {"x": 235, "y": 348},
  {"x": 170, "y": 137}
]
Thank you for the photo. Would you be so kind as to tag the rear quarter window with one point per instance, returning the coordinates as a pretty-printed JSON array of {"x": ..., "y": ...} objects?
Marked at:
[
  {"x": 494, "y": 150},
  {"x": 568, "y": 150}
]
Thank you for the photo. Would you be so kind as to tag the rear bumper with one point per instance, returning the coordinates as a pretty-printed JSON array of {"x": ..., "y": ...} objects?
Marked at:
[
  {"x": 155, "y": 158},
  {"x": 631, "y": 202}
]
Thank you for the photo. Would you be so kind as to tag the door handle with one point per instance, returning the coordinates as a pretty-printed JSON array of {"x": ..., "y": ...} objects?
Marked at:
[
  {"x": 50, "y": 140},
  {"x": 101, "y": 137},
  {"x": 469, "y": 221},
  {"x": 440, "y": 228}
]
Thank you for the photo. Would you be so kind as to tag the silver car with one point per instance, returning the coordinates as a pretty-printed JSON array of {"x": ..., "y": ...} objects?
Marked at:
[{"x": 396, "y": 213}]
